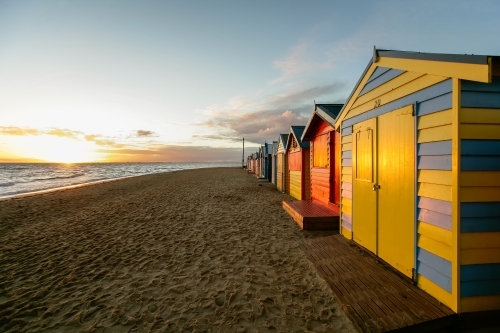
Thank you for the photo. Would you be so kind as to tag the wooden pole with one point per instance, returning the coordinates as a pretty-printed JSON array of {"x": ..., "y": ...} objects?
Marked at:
[{"x": 243, "y": 157}]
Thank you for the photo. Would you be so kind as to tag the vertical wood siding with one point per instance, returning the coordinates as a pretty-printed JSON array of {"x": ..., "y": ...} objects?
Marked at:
[
  {"x": 295, "y": 184},
  {"x": 480, "y": 196}
]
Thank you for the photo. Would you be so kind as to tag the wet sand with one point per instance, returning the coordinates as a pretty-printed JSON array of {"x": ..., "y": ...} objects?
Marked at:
[{"x": 207, "y": 250}]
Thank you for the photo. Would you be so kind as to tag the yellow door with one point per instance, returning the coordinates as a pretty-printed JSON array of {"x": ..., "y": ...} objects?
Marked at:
[
  {"x": 296, "y": 184},
  {"x": 396, "y": 163},
  {"x": 364, "y": 164}
]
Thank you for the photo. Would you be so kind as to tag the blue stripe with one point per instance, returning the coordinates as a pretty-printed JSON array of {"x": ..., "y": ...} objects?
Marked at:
[
  {"x": 480, "y": 224},
  {"x": 346, "y": 225},
  {"x": 480, "y": 288},
  {"x": 346, "y": 217},
  {"x": 479, "y": 272},
  {"x": 378, "y": 81},
  {"x": 480, "y": 147},
  {"x": 436, "y": 219},
  {"x": 440, "y": 279},
  {"x": 347, "y": 131},
  {"x": 421, "y": 95},
  {"x": 475, "y": 99},
  {"x": 441, "y": 162},
  {"x": 347, "y": 186},
  {"x": 494, "y": 86},
  {"x": 439, "y": 103},
  {"x": 440, "y": 206},
  {"x": 439, "y": 264},
  {"x": 480, "y": 163},
  {"x": 435, "y": 148},
  {"x": 346, "y": 162},
  {"x": 347, "y": 154},
  {"x": 480, "y": 209},
  {"x": 377, "y": 72}
]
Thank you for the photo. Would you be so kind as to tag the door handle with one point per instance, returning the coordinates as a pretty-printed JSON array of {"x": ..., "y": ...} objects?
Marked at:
[{"x": 376, "y": 187}]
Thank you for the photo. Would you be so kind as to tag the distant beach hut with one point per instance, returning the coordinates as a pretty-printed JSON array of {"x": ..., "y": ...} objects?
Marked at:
[
  {"x": 268, "y": 151},
  {"x": 298, "y": 164},
  {"x": 274, "y": 162},
  {"x": 254, "y": 163},
  {"x": 325, "y": 154},
  {"x": 281, "y": 163},
  {"x": 421, "y": 172},
  {"x": 261, "y": 162}
]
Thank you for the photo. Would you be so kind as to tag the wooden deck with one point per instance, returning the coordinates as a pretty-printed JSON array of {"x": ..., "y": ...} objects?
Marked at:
[
  {"x": 311, "y": 215},
  {"x": 376, "y": 298}
]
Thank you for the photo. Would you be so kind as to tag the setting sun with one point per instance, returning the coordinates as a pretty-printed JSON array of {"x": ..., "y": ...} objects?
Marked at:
[{"x": 56, "y": 149}]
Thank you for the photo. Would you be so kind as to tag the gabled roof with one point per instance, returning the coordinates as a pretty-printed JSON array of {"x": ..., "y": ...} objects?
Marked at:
[
  {"x": 268, "y": 148},
  {"x": 284, "y": 140},
  {"x": 326, "y": 112},
  {"x": 275, "y": 147},
  {"x": 296, "y": 131},
  {"x": 463, "y": 66}
]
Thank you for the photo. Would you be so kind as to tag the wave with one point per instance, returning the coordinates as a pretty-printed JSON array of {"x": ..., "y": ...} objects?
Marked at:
[
  {"x": 7, "y": 184},
  {"x": 59, "y": 177}
]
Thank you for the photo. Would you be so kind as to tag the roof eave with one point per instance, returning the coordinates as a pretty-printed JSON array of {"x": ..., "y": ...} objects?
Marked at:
[{"x": 471, "y": 67}]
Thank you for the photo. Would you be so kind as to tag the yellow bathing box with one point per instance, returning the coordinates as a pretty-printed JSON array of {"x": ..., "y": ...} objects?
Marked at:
[{"x": 420, "y": 137}]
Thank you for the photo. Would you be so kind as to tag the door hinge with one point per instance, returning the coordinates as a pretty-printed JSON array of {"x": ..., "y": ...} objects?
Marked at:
[{"x": 414, "y": 275}]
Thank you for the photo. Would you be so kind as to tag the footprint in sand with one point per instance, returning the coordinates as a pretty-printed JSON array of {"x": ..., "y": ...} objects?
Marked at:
[
  {"x": 235, "y": 297},
  {"x": 221, "y": 297}
]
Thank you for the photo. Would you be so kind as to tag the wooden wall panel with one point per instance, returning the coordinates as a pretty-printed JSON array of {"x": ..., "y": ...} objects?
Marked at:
[
  {"x": 306, "y": 177},
  {"x": 295, "y": 160},
  {"x": 295, "y": 184},
  {"x": 480, "y": 196}
]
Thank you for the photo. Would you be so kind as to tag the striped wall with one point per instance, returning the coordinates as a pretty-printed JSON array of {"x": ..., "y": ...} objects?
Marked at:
[
  {"x": 390, "y": 90},
  {"x": 346, "y": 184},
  {"x": 480, "y": 196},
  {"x": 434, "y": 207}
]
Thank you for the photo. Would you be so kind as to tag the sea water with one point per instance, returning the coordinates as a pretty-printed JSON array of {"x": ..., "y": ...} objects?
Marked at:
[{"x": 22, "y": 178}]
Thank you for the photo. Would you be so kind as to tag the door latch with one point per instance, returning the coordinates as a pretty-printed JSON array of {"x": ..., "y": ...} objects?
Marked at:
[{"x": 376, "y": 187}]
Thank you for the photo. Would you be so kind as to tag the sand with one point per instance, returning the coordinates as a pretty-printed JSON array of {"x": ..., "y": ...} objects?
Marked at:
[{"x": 207, "y": 250}]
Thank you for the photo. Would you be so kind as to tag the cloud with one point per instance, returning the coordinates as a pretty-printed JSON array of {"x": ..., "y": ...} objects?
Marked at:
[
  {"x": 174, "y": 153},
  {"x": 18, "y": 131},
  {"x": 262, "y": 118},
  {"x": 104, "y": 141},
  {"x": 23, "y": 131},
  {"x": 145, "y": 134},
  {"x": 64, "y": 133}
]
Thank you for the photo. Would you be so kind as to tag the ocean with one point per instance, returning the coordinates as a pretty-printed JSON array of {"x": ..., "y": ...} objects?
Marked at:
[{"x": 23, "y": 178}]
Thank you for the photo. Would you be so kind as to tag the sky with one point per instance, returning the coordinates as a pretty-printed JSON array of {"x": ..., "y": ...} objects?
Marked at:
[{"x": 185, "y": 81}]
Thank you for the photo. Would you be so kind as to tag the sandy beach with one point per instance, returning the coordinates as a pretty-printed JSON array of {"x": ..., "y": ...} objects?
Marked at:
[{"x": 207, "y": 250}]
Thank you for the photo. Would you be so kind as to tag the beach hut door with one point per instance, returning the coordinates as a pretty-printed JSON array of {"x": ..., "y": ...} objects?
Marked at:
[
  {"x": 365, "y": 184},
  {"x": 396, "y": 173},
  {"x": 383, "y": 194}
]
